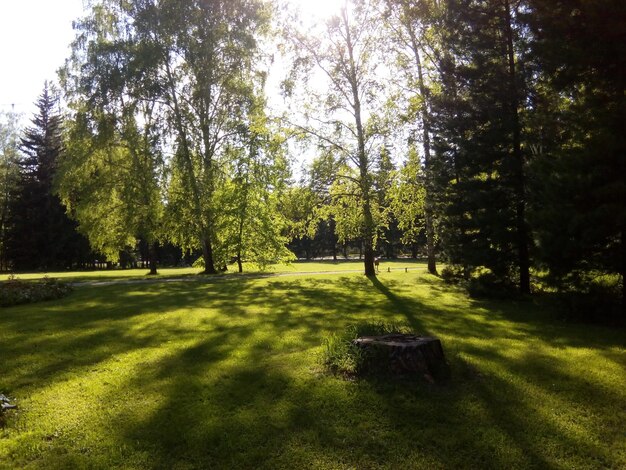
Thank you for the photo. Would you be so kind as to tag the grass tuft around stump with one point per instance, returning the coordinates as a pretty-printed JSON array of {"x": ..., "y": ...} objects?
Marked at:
[{"x": 341, "y": 356}]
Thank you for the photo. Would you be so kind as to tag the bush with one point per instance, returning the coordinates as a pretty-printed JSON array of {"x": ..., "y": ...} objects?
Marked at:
[
  {"x": 15, "y": 291},
  {"x": 599, "y": 301},
  {"x": 486, "y": 284},
  {"x": 341, "y": 356},
  {"x": 452, "y": 274}
]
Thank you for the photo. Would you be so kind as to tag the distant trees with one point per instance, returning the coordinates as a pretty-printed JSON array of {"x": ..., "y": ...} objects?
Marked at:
[{"x": 9, "y": 178}]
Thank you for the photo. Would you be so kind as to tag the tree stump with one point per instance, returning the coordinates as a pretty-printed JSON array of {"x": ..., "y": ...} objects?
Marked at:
[{"x": 400, "y": 353}]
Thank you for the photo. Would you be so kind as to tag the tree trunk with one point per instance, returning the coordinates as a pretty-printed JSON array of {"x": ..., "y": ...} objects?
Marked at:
[
  {"x": 623, "y": 274},
  {"x": 207, "y": 250},
  {"x": 519, "y": 182},
  {"x": 428, "y": 206},
  {"x": 239, "y": 263},
  {"x": 207, "y": 255},
  {"x": 152, "y": 256},
  {"x": 364, "y": 183}
]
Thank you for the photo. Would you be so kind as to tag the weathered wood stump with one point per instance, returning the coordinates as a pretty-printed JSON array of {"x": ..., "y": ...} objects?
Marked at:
[{"x": 401, "y": 353}]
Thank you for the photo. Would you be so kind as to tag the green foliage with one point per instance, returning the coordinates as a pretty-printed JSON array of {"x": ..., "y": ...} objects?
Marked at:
[
  {"x": 479, "y": 170},
  {"x": 40, "y": 235},
  {"x": 339, "y": 353},
  {"x": 484, "y": 284},
  {"x": 9, "y": 177},
  {"x": 452, "y": 274},
  {"x": 594, "y": 298},
  {"x": 16, "y": 292},
  {"x": 579, "y": 208},
  {"x": 161, "y": 79},
  {"x": 408, "y": 198}
]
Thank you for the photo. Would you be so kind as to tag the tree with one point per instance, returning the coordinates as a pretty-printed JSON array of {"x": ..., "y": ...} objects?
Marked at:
[
  {"x": 209, "y": 55},
  {"x": 254, "y": 227},
  {"x": 385, "y": 175},
  {"x": 41, "y": 236},
  {"x": 9, "y": 177},
  {"x": 481, "y": 165},
  {"x": 195, "y": 61},
  {"x": 407, "y": 196},
  {"x": 579, "y": 195},
  {"x": 411, "y": 25},
  {"x": 112, "y": 171},
  {"x": 344, "y": 52}
]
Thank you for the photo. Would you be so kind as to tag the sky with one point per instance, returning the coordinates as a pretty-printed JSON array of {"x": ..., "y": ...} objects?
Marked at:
[{"x": 34, "y": 41}]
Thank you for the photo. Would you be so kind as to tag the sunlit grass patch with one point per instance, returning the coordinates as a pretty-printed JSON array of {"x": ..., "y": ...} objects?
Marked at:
[{"x": 226, "y": 374}]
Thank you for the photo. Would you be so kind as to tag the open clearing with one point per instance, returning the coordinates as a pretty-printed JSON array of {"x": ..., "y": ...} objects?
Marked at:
[{"x": 226, "y": 375}]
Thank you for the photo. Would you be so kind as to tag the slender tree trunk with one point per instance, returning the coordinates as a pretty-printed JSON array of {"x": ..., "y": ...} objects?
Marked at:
[
  {"x": 428, "y": 206},
  {"x": 152, "y": 256},
  {"x": 204, "y": 236},
  {"x": 520, "y": 207},
  {"x": 365, "y": 184},
  {"x": 207, "y": 255}
]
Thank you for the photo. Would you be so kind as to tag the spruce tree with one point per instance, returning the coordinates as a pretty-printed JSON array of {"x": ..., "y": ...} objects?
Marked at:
[
  {"x": 579, "y": 207},
  {"x": 480, "y": 165},
  {"x": 41, "y": 236}
]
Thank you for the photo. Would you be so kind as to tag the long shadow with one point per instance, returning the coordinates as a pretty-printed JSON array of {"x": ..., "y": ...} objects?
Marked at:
[{"x": 240, "y": 389}]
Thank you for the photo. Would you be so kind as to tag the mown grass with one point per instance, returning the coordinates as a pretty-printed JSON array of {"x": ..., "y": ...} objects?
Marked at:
[
  {"x": 225, "y": 374},
  {"x": 296, "y": 266}
]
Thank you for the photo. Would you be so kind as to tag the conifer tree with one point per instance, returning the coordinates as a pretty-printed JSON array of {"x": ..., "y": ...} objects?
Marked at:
[{"x": 41, "y": 236}]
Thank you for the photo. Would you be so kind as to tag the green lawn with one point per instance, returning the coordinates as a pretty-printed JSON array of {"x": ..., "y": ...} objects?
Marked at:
[
  {"x": 225, "y": 374},
  {"x": 297, "y": 266}
]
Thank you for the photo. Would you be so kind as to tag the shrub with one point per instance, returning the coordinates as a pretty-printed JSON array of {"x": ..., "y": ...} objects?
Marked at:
[
  {"x": 485, "y": 284},
  {"x": 598, "y": 301},
  {"x": 452, "y": 274},
  {"x": 15, "y": 291},
  {"x": 341, "y": 356}
]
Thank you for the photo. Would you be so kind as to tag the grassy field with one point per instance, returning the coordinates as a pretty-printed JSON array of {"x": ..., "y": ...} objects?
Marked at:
[
  {"x": 224, "y": 373},
  {"x": 297, "y": 266}
]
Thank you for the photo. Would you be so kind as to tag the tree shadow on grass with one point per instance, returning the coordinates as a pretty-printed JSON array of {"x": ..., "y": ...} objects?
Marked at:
[
  {"x": 238, "y": 387},
  {"x": 257, "y": 413}
]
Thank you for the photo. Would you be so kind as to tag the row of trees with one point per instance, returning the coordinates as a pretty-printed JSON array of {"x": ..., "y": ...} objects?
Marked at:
[{"x": 506, "y": 118}]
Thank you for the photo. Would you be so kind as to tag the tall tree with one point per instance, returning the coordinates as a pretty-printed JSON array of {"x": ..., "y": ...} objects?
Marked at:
[
  {"x": 479, "y": 139},
  {"x": 344, "y": 55},
  {"x": 112, "y": 171},
  {"x": 9, "y": 177},
  {"x": 254, "y": 227},
  {"x": 579, "y": 193},
  {"x": 411, "y": 24},
  {"x": 196, "y": 61},
  {"x": 41, "y": 235}
]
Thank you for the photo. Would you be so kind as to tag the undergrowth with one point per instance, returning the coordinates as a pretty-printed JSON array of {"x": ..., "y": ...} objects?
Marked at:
[
  {"x": 340, "y": 355},
  {"x": 16, "y": 291}
]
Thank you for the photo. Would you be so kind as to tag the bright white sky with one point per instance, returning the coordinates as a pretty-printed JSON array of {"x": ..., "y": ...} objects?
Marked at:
[
  {"x": 34, "y": 41},
  {"x": 35, "y": 37}
]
